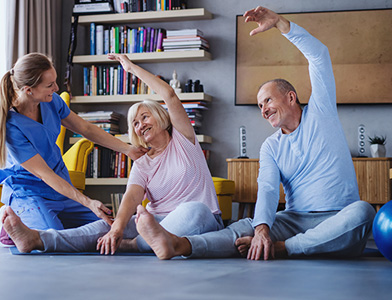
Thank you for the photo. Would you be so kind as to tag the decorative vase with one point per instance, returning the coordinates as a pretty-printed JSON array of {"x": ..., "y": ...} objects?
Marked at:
[{"x": 377, "y": 150}]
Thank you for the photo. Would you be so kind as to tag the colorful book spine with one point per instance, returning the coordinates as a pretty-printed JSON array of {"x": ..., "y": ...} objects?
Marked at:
[
  {"x": 99, "y": 46},
  {"x": 92, "y": 39}
]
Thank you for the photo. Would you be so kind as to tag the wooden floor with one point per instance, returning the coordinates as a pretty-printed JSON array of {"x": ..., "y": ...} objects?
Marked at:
[{"x": 38, "y": 277}]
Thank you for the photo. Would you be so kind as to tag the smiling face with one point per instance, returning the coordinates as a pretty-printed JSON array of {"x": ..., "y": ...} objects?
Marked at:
[
  {"x": 43, "y": 92},
  {"x": 145, "y": 125},
  {"x": 279, "y": 109}
]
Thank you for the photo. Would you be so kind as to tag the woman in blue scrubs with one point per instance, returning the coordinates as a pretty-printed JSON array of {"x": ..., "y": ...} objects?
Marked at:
[{"x": 36, "y": 183}]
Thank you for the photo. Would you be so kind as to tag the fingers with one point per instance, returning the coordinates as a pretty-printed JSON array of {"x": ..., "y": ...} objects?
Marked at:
[
  {"x": 256, "y": 31},
  {"x": 105, "y": 209},
  {"x": 266, "y": 253},
  {"x": 107, "y": 219},
  {"x": 254, "y": 252},
  {"x": 113, "y": 245}
]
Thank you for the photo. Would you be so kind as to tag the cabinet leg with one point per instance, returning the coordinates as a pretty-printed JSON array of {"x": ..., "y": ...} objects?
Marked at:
[{"x": 241, "y": 210}]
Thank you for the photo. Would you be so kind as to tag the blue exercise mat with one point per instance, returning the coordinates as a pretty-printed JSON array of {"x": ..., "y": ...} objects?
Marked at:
[{"x": 15, "y": 251}]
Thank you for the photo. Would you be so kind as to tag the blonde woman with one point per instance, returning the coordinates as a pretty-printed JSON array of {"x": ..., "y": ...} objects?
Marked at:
[{"x": 173, "y": 175}]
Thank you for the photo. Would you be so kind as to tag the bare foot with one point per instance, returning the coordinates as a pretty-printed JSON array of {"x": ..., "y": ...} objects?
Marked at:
[
  {"x": 164, "y": 244},
  {"x": 25, "y": 239},
  {"x": 243, "y": 245},
  {"x": 280, "y": 250},
  {"x": 128, "y": 245}
]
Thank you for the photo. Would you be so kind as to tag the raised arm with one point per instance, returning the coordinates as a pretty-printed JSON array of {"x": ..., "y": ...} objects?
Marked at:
[
  {"x": 178, "y": 116},
  {"x": 266, "y": 19},
  {"x": 320, "y": 67}
]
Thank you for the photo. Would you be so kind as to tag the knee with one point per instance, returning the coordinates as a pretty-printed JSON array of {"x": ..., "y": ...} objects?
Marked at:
[
  {"x": 363, "y": 211},
  {"x": 193, "y": 210}
]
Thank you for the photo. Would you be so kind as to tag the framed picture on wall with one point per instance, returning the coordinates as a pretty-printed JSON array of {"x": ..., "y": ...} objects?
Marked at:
[{"x": 359, "y": 42}]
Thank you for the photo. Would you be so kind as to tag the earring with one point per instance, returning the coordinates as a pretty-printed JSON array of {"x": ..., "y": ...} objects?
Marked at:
[{"x": 30, "y": 93}]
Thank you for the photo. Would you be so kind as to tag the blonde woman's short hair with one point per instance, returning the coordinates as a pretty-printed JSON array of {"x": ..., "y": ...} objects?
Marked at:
[{"x": 156, "y": 110}]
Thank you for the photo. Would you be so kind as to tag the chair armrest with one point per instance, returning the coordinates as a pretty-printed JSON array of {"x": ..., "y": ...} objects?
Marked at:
[
  {"x": 78, "y": 179},
  {"x": 76, "y": 157}
]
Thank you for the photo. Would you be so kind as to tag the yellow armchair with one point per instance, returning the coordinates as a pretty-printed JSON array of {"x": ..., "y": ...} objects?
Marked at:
[{"x": 76, "y": 157}]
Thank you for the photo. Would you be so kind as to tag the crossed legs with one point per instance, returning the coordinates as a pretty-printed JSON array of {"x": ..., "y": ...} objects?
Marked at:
[{"x": 342, "y": 233}]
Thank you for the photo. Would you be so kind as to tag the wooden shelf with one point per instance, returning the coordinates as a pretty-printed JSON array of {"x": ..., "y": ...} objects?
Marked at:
[
  {"x": 150, "y": 16},
  {"x": 148, "y": 57},
  {"x": 200, "y": 137},
  {"x": 106, "y": 181},
  {"x": 136, "y": 98}
]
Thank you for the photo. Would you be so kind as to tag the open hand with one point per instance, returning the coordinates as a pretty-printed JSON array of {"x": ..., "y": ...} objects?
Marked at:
[
  {"x": 100, "y": 210},
  {"x": 136, "y": 152},
  {"x": 109, "y": 243},
  {"x": 122, "y": 59},
  {"x": 265, "y": 19},
  {"x": 261, "y": 244}
]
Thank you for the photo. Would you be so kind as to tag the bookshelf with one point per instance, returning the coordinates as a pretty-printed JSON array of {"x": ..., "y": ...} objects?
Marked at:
[
  {"x": 150, "y": 16},
  {"x": 136, "y": 98},
  {"x": 203, "y": 139},
  {"x": 147, "y": 57},
  {"x": 106, "y": 181}
]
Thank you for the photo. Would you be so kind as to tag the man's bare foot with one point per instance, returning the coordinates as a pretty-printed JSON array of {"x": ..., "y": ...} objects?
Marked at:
[
  {"x": 280, "y": 250},
  {"x": 243, "y": 245},
  {"x": 25, "y": 239},
  {"x": 128, "y": 245},
  {"x": 164, "y": 244}
]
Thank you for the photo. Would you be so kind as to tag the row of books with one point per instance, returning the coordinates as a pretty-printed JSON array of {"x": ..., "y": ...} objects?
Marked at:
[
  {"x": 124, "y": 6},
  {"x": 106, "y": 163},
  {"x": 107, "y": 120},
  {"x": 184, "y": 39},
  {"x": 111, "y": 80},
  {"x": 124, "y": 39},
  {"x": 194, "y": 110}
]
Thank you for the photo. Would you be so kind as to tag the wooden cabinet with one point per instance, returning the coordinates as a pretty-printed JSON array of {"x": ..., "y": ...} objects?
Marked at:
[
  {"x": 374, "y": 180},
  {"x": 244, "y": 173},
  {"x": 373, "y": 176}
]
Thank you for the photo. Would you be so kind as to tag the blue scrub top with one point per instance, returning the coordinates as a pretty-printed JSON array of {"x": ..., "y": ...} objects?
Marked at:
[{"x": 24, "y": 139}]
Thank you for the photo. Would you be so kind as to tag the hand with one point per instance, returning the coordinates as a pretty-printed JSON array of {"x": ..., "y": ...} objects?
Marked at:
[
  {"x": 261, "y": 243},
  {"x": 110, "y": 241},
  {"x": 266, "y": 19},
  {"x": 100, "y": 210},
  {"x": 136, "y": 152},
  {"x": 122, "y": 59}
]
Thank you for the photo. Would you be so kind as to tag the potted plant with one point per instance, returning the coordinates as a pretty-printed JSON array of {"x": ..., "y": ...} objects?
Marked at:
[{"x": 377, "y": 146}]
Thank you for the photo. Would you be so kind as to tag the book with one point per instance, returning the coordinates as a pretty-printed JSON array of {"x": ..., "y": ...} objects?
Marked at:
[
  {"x": 180, "y": 32},
  {"x": 184, "y": 48},
  {"x": 106, "y": 39},
  {"x": 99, "y": 46},
  {"x": 92, "y": 38},
  {"x": 185, "y": 44},
  {"x": 93, "y": 7}
]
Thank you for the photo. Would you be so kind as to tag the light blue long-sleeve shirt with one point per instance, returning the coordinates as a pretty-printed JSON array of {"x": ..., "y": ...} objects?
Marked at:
[{"x": 313, "y": 162}]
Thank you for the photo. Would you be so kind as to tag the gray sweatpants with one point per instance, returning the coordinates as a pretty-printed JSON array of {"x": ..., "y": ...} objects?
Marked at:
[{"x": 336, "y": 233}]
